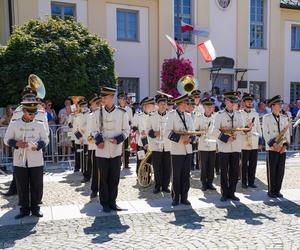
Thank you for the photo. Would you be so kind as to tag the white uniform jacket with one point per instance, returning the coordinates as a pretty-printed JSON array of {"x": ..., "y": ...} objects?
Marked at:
[
  {"x": 80, "y": 128},
  {"x": 139, "y": 124},
  {"x": 41, "y": 116},
  {"x": 207, "y": 141},
  {"x": 114, "y": 125},
  {"x": 271, "y": 129},
  {"x": 224, "y": 119},
  {"x": 175, "y": 123},
  {"x": 31, "y": 132},
  {"x": 158, "y": 122},
  {"x": 91, "y": 146},
  {"x": 251, "y": 139}
]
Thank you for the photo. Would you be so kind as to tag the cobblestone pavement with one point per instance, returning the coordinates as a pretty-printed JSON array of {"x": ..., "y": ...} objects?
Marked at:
[{"x": 260, "y": 226}]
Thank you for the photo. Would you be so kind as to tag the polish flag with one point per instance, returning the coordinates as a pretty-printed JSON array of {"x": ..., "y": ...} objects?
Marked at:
[
  {"x": 196, "y": 30},
  {"x": 175, "y": 45},
  {"x": 208, "y": 51}
]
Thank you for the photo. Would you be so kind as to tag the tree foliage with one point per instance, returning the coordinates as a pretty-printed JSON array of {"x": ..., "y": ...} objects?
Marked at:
[{"x": 64, "y": 54}]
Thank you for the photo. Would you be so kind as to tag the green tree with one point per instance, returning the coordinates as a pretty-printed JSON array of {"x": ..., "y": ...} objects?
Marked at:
[{"x": 64, "y": 54}]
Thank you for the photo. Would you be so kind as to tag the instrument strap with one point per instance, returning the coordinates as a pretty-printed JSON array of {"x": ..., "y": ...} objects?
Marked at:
[
  {"x": 277, "y": 121},
  {"x": 231, "y": 117},
  {"x": 182, "y": 118}
]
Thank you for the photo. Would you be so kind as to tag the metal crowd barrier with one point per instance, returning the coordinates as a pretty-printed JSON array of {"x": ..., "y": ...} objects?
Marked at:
[{"x": 60, "y": 150}]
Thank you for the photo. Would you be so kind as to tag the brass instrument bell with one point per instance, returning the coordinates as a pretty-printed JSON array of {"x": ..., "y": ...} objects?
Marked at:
[
  {"x": 36, "y": 84},
  {"x": 187, "y": 84}
]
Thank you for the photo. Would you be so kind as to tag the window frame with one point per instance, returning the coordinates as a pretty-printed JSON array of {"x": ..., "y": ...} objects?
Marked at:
[
  {"x": 63, "y": 5},
  {"x": 181, "y": 15},
  {"x": 262, "y": 89},
  {"x": 294, "y": 96},
  {"x": 256, "y": 24},
  {"x": 126, "y": 39},
  {"x": 297, "y": 39}
]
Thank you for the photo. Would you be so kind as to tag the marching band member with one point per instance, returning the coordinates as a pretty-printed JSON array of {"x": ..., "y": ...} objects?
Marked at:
[
  {"x": 122, "y": 96},
  {"x": 275, "y": 124},
  {"x": 160, "y": 145},
  {"x": 207, "y": 143},
  {"x": 198, "y": 106},
  {"x": 110, "y": 128},
  {"x": 139, "y": 125},
  {"x": 28, "y": 137},
  {"x": 92, "y": 168},
  {"x": 181, "y": 150},
  {"x": 229, "y": 145},
  {"x": 170, "y": 104},
  {"x": 251, "y": 141},
  {"x": 81, "y": 143},
  {"x": 28, "y": 95}
]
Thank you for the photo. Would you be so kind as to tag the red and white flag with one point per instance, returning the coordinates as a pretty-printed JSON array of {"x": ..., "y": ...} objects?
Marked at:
[
  {"x": 196, "y": 30},
  {"x": 208, "y": 51},
  {"x": 175, "y": 45}
]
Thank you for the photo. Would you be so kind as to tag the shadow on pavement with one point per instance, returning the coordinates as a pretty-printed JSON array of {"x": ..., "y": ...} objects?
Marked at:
[
  {"x": 285, "y": 206},
  {"x": 102, "y": 228},
  {"x": 188, "y": 219}
]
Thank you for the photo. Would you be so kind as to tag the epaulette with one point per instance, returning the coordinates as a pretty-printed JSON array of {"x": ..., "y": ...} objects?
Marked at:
[
  {"x": 238, "y": 111},
  {"x": 221, "y": 111},
  {"x": 268, "y": 114},
  {"x": 19, "y": 108},
  {"x": 172, "y": 111},
  {"x": 17, "y": 119},
  {"x": 38, "y": 120},
  {"x": 121, "y": 109},
  {"x": 41, "y": 111}
]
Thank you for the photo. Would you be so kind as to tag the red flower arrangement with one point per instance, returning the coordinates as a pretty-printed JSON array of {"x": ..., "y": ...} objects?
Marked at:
[{"x": 172, "y": 70}]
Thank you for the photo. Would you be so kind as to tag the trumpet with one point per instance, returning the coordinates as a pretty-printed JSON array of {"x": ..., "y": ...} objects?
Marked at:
[
  {"x": 232, "y": 131},
  {"x": 191, "y": 132}
]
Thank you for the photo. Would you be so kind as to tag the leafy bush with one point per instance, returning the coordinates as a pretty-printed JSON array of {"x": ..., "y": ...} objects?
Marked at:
[
  {"x": 64, "y": 54},
  {"x": 172, "y": 70}
]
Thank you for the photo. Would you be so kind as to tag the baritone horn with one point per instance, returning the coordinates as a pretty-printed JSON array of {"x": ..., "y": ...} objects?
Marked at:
[
  {"x": 35, "y": 83},
  {"x": 187, "y": 84}
]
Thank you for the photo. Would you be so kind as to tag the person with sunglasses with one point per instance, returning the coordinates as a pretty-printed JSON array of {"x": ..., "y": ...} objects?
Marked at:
[{"x": 28, "y": 137}]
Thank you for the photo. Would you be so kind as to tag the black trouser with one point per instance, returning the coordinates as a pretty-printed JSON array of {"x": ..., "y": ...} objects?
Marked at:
[
  {"x": 181, "y": 176},
  {"x": 229, "y": 164},
  {"x": 161, "y": 162},
  {"x": 30, "y": 187},
  {"x": 90, "y": 161},
  {"x": 249, "y": 163},
  {"x": 13, "y": 184},
  {"x": 208, "y": 159},
  {"x": 275, "y": 171},
  {"x": 138, "y": 161},
  {"x": 81, "y": 158},
  {"x": 109, "y": 179},
  {"x": 94, "y": 171},
  {"x": 126, "y": 151},
  {"x": 217, "y": 164}
]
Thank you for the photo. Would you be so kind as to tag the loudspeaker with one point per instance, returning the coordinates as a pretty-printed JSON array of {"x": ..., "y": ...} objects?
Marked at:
[{"x": 242, "y": 84}]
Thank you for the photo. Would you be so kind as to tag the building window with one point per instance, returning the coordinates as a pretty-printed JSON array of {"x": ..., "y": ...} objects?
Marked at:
[
  {"x": 294, "y": 91},
  {"x": 295, "y": 37},
  {"x": 257, "y": 27},
  {"x": 65, "y": 11},
  {"x": 131, "y": 86},
  {"x": 258, "y": 89},
  {"x": 127, "y": 25},
  {"x": 182, "y": 11}
]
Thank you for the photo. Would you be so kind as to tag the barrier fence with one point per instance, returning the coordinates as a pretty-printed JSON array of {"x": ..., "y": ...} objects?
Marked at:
[{"x": 60, "y": 149}]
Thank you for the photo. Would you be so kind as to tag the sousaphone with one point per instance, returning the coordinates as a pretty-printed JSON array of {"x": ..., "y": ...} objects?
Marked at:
[
  {"x": 35, "y": 83},
  {"x": 187, "y": 84}
]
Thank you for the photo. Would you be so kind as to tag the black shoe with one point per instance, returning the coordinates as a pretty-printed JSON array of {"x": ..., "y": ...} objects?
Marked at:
[
  {"x": 127, "y": 166},
  {"x": 37, "y": 213},
  {"x": 244, "y": 186},
  {"x": 166, "y": 190},
  {"x": 10, "y": 193},
  {"x": 217, "y": 172},
  {"x": 93, "y": 195},
  {"x": 106, "y": 209},
  {"x": 223, "y": 198},
  {"x": 115, "y": 207},
  {"x": 271, "y": 195},
  {"x": 253, "y": 186},
  {"x": 84, "y": 180},
  {"x": 175, "y": 203},
  {"x": 156, "y": 190},
  {"x": 76, "y": 170},
  {"x": 204, "y": 188},
  {"x": 234, "y": 198},
  {"x": 21, "y": 215},
  {"x": 211, "y": 187},
  {"x": 279, "y": 195},
  {"x": 186, "y": 202}
]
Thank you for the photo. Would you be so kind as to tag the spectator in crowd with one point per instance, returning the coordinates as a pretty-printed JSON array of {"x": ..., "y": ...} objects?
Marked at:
[
  {"x": 63, "y": 113},
  {"x": 5, "y": 120},
  {"x": 296, "y": 108},
  {"x": 261, "y": 109},
  {"x": 64, "y": 139},
  {"x": 219, "y": 102},
  {"x": 51, "y": 114}
]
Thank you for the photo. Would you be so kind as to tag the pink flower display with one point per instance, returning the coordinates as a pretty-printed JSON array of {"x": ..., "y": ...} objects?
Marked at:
[{"x": 172, "y": 70}]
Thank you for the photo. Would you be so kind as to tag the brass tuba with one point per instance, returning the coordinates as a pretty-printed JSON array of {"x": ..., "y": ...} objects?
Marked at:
[
  {"x": 145, "y": 171},
  {"x": 35, "y": 83},
  {"x": 187, "y": 84},
  {"x": 75, "y": 99}
]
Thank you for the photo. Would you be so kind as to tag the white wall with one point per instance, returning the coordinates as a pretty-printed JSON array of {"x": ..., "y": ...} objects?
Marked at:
[
  {"x": 81, "y": 9},
  {"x": 131, "y": 58},
  {"x": 291, "y": 61},
  {"x": 4, "y": 22}
]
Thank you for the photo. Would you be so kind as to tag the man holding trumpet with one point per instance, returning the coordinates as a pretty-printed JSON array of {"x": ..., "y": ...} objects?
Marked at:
[{"x": 28, "y": 137}]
